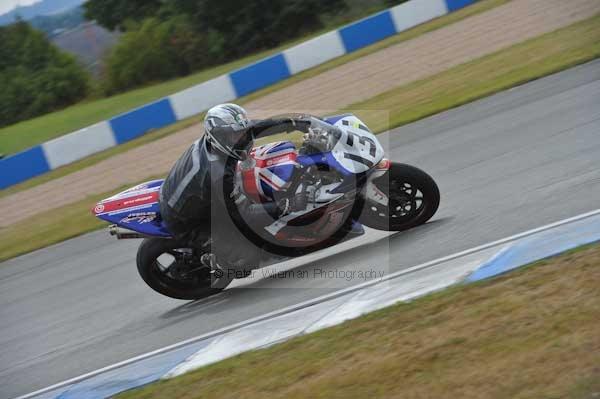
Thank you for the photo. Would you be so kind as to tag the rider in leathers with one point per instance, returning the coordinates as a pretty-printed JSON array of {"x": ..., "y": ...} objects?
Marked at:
[{"x": 198, "y": 196}]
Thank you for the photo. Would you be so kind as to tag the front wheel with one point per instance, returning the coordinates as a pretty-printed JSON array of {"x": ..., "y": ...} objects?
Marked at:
[
  {"x": 173, "y": 270},
  {"x": 413, "y": 198}
]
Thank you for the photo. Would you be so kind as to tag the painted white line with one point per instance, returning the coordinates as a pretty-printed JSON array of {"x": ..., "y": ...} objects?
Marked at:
[{"x": 311, "y": 302}]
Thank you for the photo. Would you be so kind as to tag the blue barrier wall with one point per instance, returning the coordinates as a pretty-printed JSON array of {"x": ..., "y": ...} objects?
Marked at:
[
  {"x": 454, "y": 5},
  {"x": 122, "y": 128},
  {"x": 368, "y": 31},
  {"x": 133, "y": 124},
  {"x": 22, "y": 166},
  {"x": 262, "y": 74}
]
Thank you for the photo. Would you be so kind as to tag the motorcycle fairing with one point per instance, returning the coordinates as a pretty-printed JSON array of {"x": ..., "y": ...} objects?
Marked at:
[
  {"x": 326, "y": 159},
  {"x": 135, "y": 209},
  {"x": 333, "y": 119},
  {"x": 270, "y": 169},
  {"x": 357, "y": 150}
]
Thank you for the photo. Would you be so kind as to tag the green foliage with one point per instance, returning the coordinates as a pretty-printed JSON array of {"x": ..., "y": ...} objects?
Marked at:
[
  {"x": 392, "y": 3},
  {"x": 156, "y": 50},
  {"x": 114, "y": 14},
  {"x": 250, "y": 25},
  {"x": 167, "y": 39},
  {"x": 36, "y": 77}
]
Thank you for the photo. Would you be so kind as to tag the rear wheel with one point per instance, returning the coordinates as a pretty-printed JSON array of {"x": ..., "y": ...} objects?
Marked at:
[
  {"x": 174, "y": 270},
  {"x": 413, "y": 196}
]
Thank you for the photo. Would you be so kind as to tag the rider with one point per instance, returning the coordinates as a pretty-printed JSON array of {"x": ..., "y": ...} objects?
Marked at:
[{"x": 197, "y": 196}]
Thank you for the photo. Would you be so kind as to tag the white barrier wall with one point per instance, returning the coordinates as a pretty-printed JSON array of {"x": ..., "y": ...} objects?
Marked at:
[
  {"x": 314, "y": 52},
  {"x": 77, "y": 145},
  {"x": 122, "y": 128},
  {"x": 413, "y": 13},
  {"x": 201, "y": 97}
]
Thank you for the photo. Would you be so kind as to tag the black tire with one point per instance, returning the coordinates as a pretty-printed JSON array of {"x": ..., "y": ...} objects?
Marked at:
[
  {"x": 148, "y": 267},
  {"x": 402, "y": 184}
]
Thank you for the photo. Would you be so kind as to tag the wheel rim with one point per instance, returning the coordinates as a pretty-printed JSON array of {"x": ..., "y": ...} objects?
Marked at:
[
  {"x": 180, "y": 268},
  {"x": 406, "y": 201}
]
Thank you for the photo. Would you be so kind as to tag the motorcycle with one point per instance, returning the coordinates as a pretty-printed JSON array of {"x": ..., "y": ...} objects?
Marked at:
[{"x": 341, "y": 172}]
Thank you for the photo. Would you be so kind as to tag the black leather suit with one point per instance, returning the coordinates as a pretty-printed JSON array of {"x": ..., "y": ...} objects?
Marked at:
[{"x": 197, "y": 193}]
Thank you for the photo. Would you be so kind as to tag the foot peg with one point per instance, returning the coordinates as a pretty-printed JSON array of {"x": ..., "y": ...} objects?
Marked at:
[{"x": 216, "y": 271}]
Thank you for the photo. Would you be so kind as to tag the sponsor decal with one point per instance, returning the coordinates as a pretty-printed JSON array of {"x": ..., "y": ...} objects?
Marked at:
[
  {"x": 140, "y": 217},
  {"x": 281, "y": 159},
  {"x": 138, "y": 200},
  {"x": 122, "y": 204},
  {"x": 99, "y": 208}
]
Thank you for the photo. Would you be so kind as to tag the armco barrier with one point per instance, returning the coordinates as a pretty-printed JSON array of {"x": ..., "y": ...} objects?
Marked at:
[{"x": 120, "y": 129}]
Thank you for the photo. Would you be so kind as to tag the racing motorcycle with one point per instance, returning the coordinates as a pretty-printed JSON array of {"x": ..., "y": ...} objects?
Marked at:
[{"x": 339, "y": 169}]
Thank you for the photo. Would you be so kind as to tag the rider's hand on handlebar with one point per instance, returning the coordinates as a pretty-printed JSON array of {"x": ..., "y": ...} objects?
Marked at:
[{"x": 301, "y": 124}]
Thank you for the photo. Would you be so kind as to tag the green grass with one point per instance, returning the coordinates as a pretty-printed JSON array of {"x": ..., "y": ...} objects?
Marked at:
[
  {"x": 35, "y": 131},
  {"x": 509, "y": 67},
  {"x": 530, "y": 334},
  {"x": 50, "y": 228}
]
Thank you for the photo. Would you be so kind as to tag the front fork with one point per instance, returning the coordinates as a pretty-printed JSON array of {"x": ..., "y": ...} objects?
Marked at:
[{"x": 373, "y": 193}]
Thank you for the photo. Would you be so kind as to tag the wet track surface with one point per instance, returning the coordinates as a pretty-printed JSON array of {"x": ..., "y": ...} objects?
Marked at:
[{"x": 508, "y": 163}]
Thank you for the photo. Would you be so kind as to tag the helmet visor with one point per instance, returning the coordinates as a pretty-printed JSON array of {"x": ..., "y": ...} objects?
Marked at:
[{"x": 238, "y": 141}]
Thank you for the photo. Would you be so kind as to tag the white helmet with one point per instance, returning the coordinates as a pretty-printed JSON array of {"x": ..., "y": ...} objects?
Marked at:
[{"x": 226, "y": 128}]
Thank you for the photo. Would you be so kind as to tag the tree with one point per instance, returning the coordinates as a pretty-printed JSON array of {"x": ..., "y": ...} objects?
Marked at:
[
  {"x": 36, "y": 77},
  {"x": 248, "y": 26},
  {"x": 169, "y": 38},
  {"x": 115, "y": 14},
  {"x": 156, "y": 50}
]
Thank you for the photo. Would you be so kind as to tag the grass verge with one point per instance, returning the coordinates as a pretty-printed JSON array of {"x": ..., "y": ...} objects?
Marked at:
[
  {"x": 521, "y": 63},
  {"x": 530, "y": 334},
  {"x": 50, "y": 228},
  {"x": 507, "y": 68},
  {"x": 38, "y": 130}
]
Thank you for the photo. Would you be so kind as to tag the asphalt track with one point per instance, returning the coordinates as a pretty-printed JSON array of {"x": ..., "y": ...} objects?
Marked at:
[{"x": 514, "y": 161}]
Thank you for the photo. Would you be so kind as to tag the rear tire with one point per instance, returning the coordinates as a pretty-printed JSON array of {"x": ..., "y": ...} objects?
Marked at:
[
  {"x": 149, "y": 268},
  {"x": 414, "y": 197}
]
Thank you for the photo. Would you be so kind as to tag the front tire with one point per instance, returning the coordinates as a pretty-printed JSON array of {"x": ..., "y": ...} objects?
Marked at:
[
  {"x": 413, "y": 195},
  {"x": 171, "y": 280}
]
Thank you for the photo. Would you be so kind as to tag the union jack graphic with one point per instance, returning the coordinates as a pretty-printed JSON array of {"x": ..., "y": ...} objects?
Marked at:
[{"x": 274, "y": 168}]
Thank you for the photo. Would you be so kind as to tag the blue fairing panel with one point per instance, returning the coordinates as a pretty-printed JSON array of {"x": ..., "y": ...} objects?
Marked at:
[
  {"x": 144, "y": 220},
  {"x": 325, "y": 158},
  {"x": 136, "y": 209}
]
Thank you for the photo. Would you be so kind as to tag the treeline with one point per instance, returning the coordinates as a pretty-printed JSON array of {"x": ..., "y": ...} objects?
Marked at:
[
  {"x": 165, "y": 39},
  {"x": 162, "y": 39},
  {"x": 35, "y": 76}
]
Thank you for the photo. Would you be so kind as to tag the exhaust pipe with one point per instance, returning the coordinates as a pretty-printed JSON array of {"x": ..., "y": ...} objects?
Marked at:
[{"x": 123, "y": 234}]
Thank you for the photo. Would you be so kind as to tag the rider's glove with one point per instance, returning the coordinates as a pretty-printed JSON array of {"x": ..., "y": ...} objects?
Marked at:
[
  {"x": 300, "y": 124},
  {"x": 317, "y": 139}
]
